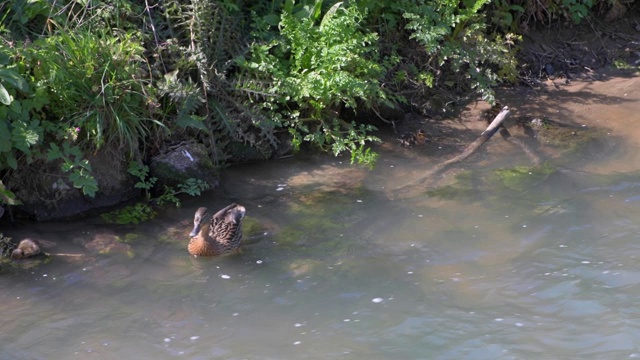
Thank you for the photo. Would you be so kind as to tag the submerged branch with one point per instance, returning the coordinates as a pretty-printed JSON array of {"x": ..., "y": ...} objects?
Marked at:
[{"x": 468, "y": 151}]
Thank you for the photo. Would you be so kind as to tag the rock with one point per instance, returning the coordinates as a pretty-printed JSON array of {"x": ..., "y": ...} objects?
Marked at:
[
  {"x": 26, "y": 248},
  {"x": 106, "y": 243},
  {"x": 190, "y": 160},
  {"x": 47, "y": 193}
]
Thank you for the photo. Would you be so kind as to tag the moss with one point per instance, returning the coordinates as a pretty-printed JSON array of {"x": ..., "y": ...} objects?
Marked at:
[
  {"x": 568, "y": 138},
  {"x": 521, "y": 178},
  {"x": 251, "y": 227},
  {"x": 462, "y": 188}
]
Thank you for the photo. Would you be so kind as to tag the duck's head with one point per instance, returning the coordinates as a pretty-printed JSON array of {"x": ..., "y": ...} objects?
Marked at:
[{"x": 199, "y": 221}]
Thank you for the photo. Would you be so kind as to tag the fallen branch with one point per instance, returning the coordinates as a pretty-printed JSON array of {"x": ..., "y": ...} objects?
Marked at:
[
  {"x": 470, "y": 149},
  {"x": 531, "y": 154}
]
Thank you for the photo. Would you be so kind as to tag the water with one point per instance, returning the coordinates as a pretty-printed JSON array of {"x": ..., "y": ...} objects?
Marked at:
[{"x": 334, "y": 267}]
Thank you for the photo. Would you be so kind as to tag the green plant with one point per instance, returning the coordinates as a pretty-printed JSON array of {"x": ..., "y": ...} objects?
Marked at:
[
  {"x": 74, "y": 163},
  {"x": 132, "y": 214},
  {"x": 145, "y": 182},
  {"x": 317, "y": 66},
  {"x": 6, "y": 246},
  {"x": 144, "y": 211},
  {"x": 96, "y": 82},
  {"x": 454, "y": 36},
  {"x": 577, "y": 9}
]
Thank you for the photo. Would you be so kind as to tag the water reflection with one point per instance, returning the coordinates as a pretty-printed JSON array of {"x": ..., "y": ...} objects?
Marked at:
[{"x": 333, "y": 268}]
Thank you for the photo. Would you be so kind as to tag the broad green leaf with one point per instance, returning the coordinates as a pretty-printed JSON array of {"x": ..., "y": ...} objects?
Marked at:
[
  {"x": 11, "y": 160},
  {"x": 5, "y": 98},
  {"x": 14, "y": 78}
]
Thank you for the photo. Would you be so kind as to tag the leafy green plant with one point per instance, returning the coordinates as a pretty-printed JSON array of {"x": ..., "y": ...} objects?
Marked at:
[
  {"x": 454, "y": 36},
  {"x": 145, "y": 182},
  {"x": 96, "y": 83},
  {"x": 74, "y": 163},
  {"x": 305, "y": 77},
  {"x": 577, "y": 9},
  {"x": 144, "y": 211}
]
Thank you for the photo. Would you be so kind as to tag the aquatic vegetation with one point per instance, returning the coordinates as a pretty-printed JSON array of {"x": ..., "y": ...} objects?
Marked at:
[
  {"x": 6, "y": 246},
  {"x": 131, "y": 214},
  {"x": 463, "y": 187},
  {"x": 522, "y": 178}
]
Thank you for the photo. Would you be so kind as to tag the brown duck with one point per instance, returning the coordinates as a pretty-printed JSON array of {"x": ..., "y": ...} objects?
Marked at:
[
  {"x": 413, "y": 138},
  {"x": 26, "y": 248},
  {"x": 220, "y": 235}
]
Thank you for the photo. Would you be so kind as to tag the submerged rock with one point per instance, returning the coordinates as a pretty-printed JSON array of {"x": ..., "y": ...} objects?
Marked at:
[{"x": 26, "y": 248}]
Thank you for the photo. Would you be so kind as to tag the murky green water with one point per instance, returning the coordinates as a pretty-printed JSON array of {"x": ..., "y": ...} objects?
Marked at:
[{"x": 333, "y": 268}]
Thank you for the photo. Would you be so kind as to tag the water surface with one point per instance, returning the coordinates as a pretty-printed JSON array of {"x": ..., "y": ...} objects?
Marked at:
[{"x": 334, "y": 267}]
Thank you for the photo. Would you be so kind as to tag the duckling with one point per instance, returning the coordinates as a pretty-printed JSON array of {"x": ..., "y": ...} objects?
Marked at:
[
  {"x": 413, "y": 138},
  {"x": 219, "y": 236},
  {"x": 26, "y": 248}
]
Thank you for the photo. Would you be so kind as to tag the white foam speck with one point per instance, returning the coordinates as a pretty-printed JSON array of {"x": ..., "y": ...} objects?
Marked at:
[
  {"x": 297, "y": 324},
  {"x": 377, "y": 300},
  {"x": 359, "y": 200},
  {"x": 519, "y": 324},
  {"x": 297, "y": 343},
  {"x": 498, "y": 319},
  {"x": 346, "y": 320},
  {"x": 279, "y": 189},
  {"x": 258, "y": 261},
  {"x": 524, "y": 226},
  {"x": 586, "y": 262},
  {"x": 193, "y": 338},
  {"x": 225, "y": 276}
]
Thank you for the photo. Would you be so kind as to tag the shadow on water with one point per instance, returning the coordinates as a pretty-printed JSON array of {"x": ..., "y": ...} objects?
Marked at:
[{"x": 334, "y": 268}]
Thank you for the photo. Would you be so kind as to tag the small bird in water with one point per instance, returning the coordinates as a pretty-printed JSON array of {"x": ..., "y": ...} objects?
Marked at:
[
  {"x": 26, "y": 248},
  {"x": 413, "y": 138},
  {"x": 219, "y": 236}
]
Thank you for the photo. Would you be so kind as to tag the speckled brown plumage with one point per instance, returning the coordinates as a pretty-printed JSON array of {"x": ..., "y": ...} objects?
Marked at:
[
  {"x": 413, "y": 138},
  {"x": 26, "y": 248},
  {"x": 219, "y": 236}
]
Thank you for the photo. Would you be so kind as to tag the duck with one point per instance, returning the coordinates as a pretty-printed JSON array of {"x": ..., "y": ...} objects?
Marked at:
[
  {"x": 26, "y": 248},
  {"x": 413, "y": 138},
  {"x": 221, "y": 235}
]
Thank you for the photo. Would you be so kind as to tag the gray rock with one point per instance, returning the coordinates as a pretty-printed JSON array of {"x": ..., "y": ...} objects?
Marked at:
[{"x": 187, "y": 160}]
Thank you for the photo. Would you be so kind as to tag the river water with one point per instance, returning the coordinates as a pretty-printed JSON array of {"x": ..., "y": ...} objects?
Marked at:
[{"x": 335, "y": 266}]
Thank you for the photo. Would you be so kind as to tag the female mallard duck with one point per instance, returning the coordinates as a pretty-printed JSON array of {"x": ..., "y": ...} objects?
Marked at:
[
  {"x": 413, "y": 138},
  {"x": 219, "y": 236},
  {"x": 26, "y": 248}
]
